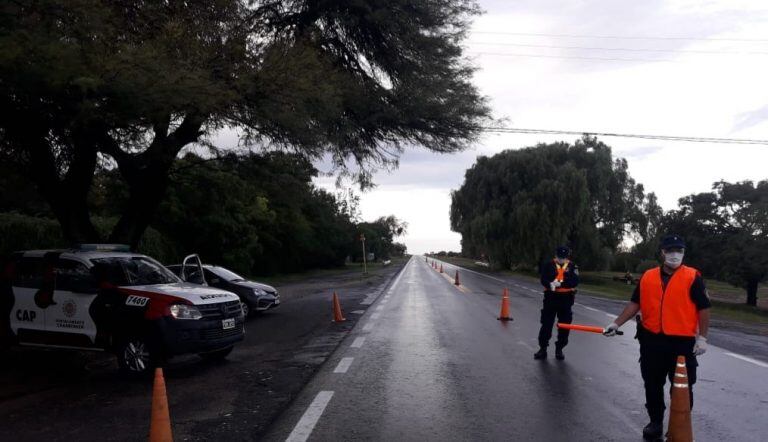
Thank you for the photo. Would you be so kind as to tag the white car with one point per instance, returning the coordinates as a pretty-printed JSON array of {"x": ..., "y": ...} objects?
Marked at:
[{"x": 102, "y": 298}]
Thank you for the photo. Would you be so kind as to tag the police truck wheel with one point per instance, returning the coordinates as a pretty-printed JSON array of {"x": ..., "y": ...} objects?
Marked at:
[
  {"x": 217, "y": 355},
  {"x": 134, "y": 356}
]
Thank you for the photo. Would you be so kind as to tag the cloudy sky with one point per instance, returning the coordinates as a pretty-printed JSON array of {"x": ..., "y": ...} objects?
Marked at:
[{"x": 673, "y": 67}]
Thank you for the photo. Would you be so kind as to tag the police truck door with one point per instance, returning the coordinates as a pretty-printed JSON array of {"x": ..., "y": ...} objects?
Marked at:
[
  {"x": 30, "y": 300},
  {"x": 71, "y": 317}
]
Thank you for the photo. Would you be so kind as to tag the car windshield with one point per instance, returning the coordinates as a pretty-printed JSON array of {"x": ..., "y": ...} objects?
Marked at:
[
  {"x": 132, "y": 270},
  {"x": 225, "y": 274}
]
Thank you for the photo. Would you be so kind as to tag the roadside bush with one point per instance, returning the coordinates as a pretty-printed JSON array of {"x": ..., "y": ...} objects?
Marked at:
[
  {"x": 625, "y": 261},
  {"x": 23, "y": 232},
  {"x": 646, "y": 265}
]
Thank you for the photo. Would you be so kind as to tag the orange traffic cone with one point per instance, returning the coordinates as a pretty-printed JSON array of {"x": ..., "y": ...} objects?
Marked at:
[
  {"x": 337, "y": 316},
  {"x": 457, "y": 278},
  {"x": 441, "y": 268},
  {"x": 680, "y": 428},
  {"x": 160, "y": 424},
  {"x": 504, "y": 315}
]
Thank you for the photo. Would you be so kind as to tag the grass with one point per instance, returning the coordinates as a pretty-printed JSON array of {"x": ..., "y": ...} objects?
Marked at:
[
  {"x": 727, "y": 301},
  {"x": 348, "y": 268}
]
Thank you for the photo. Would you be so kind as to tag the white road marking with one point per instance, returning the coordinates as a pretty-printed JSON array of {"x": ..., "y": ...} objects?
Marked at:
[
  {"x": 358, "y": 312},
  {"x": 368, "y": 327},
  {"x": 379, "y": 307},
  {"x": 525, "y": 344},
  {"x": 611, "y": 316},
  {"x": 343, "y": 366},
  {"x": 358, "y": 342},
  {"x": 303, "y": 429},
  {"x": 744, "y": 358},
  {"x": 376, "y": 316},
  {"x": 590, "y": 308},
  {"x": 367, "y": 301}
]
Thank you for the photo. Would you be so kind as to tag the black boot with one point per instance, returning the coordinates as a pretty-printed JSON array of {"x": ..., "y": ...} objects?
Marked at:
[
  {"x": 541, "y": 354},
  {"x": 559, "y": 354},
  {"x": 653, "y": 430}
]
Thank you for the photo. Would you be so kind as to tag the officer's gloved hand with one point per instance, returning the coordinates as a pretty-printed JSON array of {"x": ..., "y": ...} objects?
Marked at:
[
  {"x": 701, "y": 346},
  {"x": 611, "y": 329}
]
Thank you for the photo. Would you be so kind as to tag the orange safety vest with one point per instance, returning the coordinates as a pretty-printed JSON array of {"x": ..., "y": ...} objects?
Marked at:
[
  {"x": 561, "y": 269},
  {"x": 670, "y": 311}
]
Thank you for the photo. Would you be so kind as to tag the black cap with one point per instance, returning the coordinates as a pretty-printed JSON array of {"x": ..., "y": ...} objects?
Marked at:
[
  {"x": 672, "y": 241},
  {"x": 562, "y": 252}
]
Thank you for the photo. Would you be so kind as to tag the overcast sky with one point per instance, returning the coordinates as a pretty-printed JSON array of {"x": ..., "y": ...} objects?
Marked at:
[{"x": 685, "y": 67}]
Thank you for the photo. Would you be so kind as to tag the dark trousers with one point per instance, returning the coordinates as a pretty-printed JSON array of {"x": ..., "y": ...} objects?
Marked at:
[
  {"x": 658, "y": 357},
  {"x": 555, "y": 305}
]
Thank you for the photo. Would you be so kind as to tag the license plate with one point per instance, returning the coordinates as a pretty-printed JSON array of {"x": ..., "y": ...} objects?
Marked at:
[
  {"x": 226, "y": 324},
  {"x": 277, "y": 301}
]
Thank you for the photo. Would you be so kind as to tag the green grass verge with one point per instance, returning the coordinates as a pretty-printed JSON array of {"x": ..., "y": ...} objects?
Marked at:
[{"x": 348, "y": 268}]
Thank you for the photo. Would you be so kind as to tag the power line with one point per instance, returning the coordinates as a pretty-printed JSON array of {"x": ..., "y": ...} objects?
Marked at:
[
  {"x": 499, "y": 129},
  {"x": 620, "y": 37},
  {"x": 570, "y": 57},
  {"x": 593, "y": 48}
]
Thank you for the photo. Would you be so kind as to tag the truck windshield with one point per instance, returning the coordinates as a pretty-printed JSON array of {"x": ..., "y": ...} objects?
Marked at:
[{"x": 132, "y": 270}]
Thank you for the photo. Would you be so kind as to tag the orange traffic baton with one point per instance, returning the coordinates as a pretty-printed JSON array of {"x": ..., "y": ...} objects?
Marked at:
[{"x": 585, "y": 328}]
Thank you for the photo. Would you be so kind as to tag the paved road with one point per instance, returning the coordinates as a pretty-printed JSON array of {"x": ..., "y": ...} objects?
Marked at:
[{"x": 429, "y": 361}]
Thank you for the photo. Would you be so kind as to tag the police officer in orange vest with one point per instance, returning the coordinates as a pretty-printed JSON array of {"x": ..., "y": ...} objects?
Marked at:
[
  {"x": 559, "y": 278},
  {"x": 674, "y": 308}
]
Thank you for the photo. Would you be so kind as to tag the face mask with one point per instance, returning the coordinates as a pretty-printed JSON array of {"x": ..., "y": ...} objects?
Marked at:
[
  {"x": 673, "y": 259},
  {"x": 560, "y": 261}
]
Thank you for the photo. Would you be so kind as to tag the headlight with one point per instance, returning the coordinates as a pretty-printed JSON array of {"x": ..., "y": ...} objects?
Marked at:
[
  {"x": 259, "y": 292},
  {"x": 183, "y": 311}
]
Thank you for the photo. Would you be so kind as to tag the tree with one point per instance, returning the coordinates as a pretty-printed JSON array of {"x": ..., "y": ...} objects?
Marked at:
[
  {"x": 516, "y": 206},
  {"x": 726, "y": 232},
  {"x": 379, "y": 238},
  {"x": 131, "y": 83}
]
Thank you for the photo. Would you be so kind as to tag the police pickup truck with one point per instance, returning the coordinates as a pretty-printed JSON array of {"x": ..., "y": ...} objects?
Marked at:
[{"x": 104, "y": 298}]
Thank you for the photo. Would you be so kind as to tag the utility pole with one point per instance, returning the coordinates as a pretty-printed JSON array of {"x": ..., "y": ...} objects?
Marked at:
[{"x": 365, "y": 267}]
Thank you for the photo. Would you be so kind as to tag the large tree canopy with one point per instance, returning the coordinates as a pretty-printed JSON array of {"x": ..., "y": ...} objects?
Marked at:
[
  {"x": 133, "y": 82},
  {"x": 516, "y": 206},
  {"x": 726, "y": 232}
]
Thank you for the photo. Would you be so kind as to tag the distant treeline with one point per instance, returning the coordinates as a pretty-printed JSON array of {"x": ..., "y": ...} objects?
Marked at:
[
  {"x": 257, "y": 214},
  {"x": 515, "y": 207}
]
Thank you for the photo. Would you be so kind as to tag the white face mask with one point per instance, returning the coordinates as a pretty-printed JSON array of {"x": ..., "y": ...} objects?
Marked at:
[
  {"x": 673, "y": 259},
  {"x": 560, "y": 261}
]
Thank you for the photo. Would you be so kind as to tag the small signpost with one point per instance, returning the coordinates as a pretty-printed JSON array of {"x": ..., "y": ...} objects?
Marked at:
[{"x": 365, "y": 267}]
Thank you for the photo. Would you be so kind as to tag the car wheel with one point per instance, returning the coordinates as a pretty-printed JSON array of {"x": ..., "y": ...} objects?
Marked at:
[
  {"x": 134, "y": 356},
  {"x": 217, "y": 355},
  {"x": 246, "y": 309}
]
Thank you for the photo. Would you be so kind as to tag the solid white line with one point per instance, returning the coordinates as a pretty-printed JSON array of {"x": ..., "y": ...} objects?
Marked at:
[
  {"x": 590, "y": 308},
  {"x": 744, "y": 358},
  {"x": 525, "y": 344},
  {"x": 343, "y": 366},
  {"x": 307, "y": 423},
  {"x": 358, "y": 342},
  {"x": 368, "y": 327}
]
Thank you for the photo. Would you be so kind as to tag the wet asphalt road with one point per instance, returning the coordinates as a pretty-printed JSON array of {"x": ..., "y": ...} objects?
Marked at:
[{"x": 429, "y": 361}]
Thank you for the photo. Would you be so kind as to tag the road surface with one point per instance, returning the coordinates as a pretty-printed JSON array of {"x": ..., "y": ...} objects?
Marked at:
[{"x": 429, "y": 361}]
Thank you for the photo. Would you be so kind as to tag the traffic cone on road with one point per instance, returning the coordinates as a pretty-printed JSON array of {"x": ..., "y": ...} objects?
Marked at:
[
  {"x": 680, "y": 426},
  {"x": 160, "y": 423},
  {"x": 441, "y": 268},
  {"x": 457, "y": 278},
  {"x": 504, "y": 315},
  {"x": 337, "y": 316}
]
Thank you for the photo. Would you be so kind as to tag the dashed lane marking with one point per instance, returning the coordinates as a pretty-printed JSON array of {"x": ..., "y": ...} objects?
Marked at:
[
  {"x": 358, "y": 342},
  {"x": 368, "y": 327},
  {"x": 375, "y": 316},
  {"x": 358, "y": 312},
  {"x": 343, "y": 366},
  {"x": 307, "y": 423},
  {"x": 379, "y": 307},
  {"x": 750, "y": 360}
]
